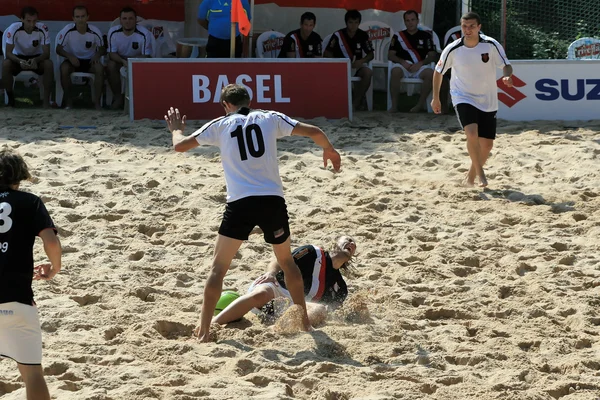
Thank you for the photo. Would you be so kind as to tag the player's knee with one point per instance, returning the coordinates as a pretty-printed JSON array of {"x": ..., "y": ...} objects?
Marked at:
[
  {"x": 98, "y": 69},
  {"x": 7, "y": 64},
  {"x": 66, "y": 68},
  {"x": 397, "y": 73},
  {"x": 47, "y": 65},
  {"x": 261, "y": 297},
  {"x": 113, "y": 66}
]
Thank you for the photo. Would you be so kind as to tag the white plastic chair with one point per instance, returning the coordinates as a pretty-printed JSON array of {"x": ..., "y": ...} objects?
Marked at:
[
  {"x": 77, "y": 78},
  {"x": 586, "y": 48},
  {"x": 353, "y": 78},
  {"x": 268, "y": 44},
  {"x": 452, "y": 35},
  {"x": 409, "y": 85},
  {"x": 23, "y": 76}
]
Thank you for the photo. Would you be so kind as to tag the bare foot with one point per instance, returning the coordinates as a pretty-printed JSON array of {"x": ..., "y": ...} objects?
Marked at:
[
  {"x": 98, "y": 107},
  {"x": 482, "y": 179},
  {"x": 466, "y": 182},
  {"x": 393, "y": 110},
  {"x": 117, "y": 104},
  {"x": 46, "y": 105},
  {"x": 210, "y": 336}
]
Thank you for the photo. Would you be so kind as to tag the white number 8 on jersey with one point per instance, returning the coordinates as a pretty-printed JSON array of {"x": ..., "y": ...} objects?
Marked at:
[{"x": 5, "y": 220}]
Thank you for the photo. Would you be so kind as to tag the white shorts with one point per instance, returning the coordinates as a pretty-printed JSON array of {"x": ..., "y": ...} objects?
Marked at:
[
  {"x": 278, "y": 291},
  {"x": 411, "y": 74},
  {"x": 282, "y": 299},
  {"x": 20, "y": 333}
]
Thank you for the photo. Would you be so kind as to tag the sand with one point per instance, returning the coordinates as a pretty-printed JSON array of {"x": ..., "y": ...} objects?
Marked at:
[{"x": 463, "y": 293}]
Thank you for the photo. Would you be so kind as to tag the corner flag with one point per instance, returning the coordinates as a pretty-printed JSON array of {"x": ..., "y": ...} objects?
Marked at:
[{"x": 238, "y": 14}]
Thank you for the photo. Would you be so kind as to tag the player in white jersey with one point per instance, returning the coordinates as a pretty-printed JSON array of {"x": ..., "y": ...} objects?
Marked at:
[
  {"x": 125, "y": 41},
  {"x": 473, "y": 59},
  {"x": 27, "y": 49},
  {"x": 23, "y": 216},
  {"x": 82, "y": 47},
  {"x": 248, "y": 142}
]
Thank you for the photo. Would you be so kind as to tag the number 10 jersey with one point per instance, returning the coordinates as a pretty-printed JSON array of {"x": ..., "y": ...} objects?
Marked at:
[{"x": 248, "y": 143}]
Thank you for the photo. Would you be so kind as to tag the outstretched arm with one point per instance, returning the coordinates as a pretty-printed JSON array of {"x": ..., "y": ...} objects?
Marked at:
[
  {"x": 176, "y": 124},
  {"x": 321, "y": 139}
]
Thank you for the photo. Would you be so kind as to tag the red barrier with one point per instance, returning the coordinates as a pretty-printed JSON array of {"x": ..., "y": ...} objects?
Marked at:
[{"x": 299, "y": 88}]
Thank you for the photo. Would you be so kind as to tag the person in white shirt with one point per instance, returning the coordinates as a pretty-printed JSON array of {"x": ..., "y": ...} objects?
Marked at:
[
  {"x": 473, "y": 59},
  {"x": 27, "y": 49},
  {"x": 128, "y": 40},
  {"x": 82, "y": 47},
  {"x": 248, "y": 142}
]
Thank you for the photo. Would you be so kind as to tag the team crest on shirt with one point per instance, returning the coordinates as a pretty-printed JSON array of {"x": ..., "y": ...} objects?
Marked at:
[
  {"x": 88, "y": 45},
  {"x": 35, "y": 43},
  {"x": 485, "y": 57},
  {"x": 135, "y": 45},
  {"x": 8, "y": 35}
]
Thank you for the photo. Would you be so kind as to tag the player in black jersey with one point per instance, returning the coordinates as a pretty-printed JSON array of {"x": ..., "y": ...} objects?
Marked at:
[
  {"x": 353, "y": 43},
  {"x": 303, "y": 42},
  {"x": 23, "y": 216},
  {"x": 323, "y": 282}
]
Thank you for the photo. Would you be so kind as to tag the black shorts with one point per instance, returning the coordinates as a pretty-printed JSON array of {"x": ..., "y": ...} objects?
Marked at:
[
  {"x": 17, "y": 66},
  {"x": 486, "y": 121},
  {"x": 268, "y": 212},
  {"x": 84, "y": 65},
  {"x": 220, "y": 48}
]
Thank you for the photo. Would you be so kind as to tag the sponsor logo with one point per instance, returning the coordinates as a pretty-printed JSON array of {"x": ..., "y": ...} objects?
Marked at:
[
  {"x": 273, "y": 43},
  {"x": 7, "y": 312},
  {"x": 511, "y": 96},
  {"x": 485, "y": 57},
  {"x": 268, "y": 88},
  {"x": 377, "y": 33},
  {"x": 550, "y": 89},
  {"x": 588, "y": 50}
]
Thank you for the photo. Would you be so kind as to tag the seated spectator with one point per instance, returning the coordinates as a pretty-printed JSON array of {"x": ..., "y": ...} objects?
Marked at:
[
  {"x": 27, "y": 49},
  {"x": 323, "y": 283},
  {"x": 215, "y": 16},
  {"x": 82, "y": 47},
  {"x": 303, "y": 42},
  {"x": 353, "y": 43},
  {"x": 412, "y": 51},
  {"x": 128, "y": 40}
]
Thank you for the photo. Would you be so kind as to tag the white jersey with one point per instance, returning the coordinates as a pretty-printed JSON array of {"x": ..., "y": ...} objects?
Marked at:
[
  {"x": 474, "y": 71},
  {"x": 138, "y": 43},
  {"x": 27, "y": 44},
  {"x": 248, "y": 143},
  {"x": 82, "y": 46}
]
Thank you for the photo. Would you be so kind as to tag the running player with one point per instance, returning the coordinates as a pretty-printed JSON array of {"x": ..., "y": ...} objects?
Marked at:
[
  {"x": 473, "y": 59},
  {"x": 23, "y": 216},
  {"x": 353, "y": 43},
  {"x": 82, "y": 47},
  {"x": 125, "y": 41},
  {"x": 247, "y": 139},
  {"x": 303, "y": 42},
  {"x": 27, "y": 49},
  {"x": 323, "y": 282},
  {"x": 411, "y": 52}
]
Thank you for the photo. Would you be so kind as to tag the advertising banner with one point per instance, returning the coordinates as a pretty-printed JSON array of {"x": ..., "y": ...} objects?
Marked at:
[
  {"x": 306, "y": 88},
  {"x": 551, "y": 90}
]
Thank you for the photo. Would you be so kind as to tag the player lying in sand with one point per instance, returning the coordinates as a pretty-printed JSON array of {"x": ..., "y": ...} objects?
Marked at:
[{"x": 323, "y": 282}]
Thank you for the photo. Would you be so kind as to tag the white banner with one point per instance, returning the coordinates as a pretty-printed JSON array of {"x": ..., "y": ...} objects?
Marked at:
[{"x": 551, "y": 90}]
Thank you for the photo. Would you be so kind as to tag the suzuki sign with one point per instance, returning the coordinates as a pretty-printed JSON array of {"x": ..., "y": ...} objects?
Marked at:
[
  {"x": 305, "y": 88},
  {"x": 551, "y": 90}
]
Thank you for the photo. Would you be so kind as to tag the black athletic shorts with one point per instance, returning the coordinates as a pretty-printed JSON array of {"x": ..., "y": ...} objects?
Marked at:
[
  {"x": 17, "y": 66},
  {"x": 220, "y": 48},
  {"x": 486, "y": 121},
  {"x": 84, "y": 65},
  {"x": 268, "y": 212}
]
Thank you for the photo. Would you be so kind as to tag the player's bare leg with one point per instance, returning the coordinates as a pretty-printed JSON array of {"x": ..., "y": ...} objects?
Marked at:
[
  {"x": 225, "y": 250},
  {"x": 47, "y": 81},
  {"x": 293, "y": 277},
  {"x": 98, "y": 71},
  {"x": 114, "y": 79},
  {"x": 396, "y": 77},
  {"x": 360, "y": 88},
  {"x": 35, "y": 384},
  {"x": 260, "y": 296},
  {"x": 485, "y": 147},
  {"x": 475, "y": 153},
  {"x": 427, "y": 77},
  {"x": 65, "y": 79}
]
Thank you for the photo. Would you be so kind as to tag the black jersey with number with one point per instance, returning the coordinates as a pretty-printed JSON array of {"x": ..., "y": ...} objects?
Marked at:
[
  {"x": 412, "y": 48},
  {"x": 343, "y": 46},
  {"x": 309, "y": 48},
  {"x": 322, "y": 282},
  {"x": 22, "y": 217}
]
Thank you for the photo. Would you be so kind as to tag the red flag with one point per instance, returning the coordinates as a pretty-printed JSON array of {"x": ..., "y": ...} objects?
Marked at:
[{"x": 238, "y": 14}]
